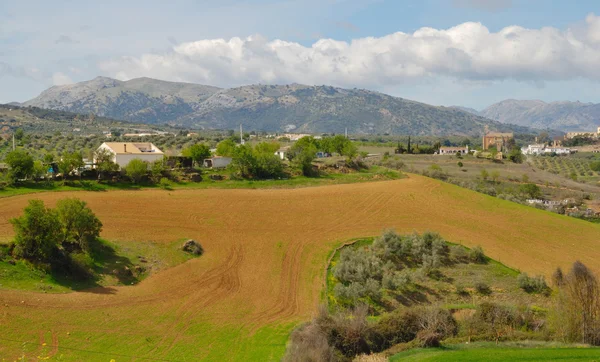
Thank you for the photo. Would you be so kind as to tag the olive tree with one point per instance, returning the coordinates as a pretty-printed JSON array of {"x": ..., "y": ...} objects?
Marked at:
[
  {"x": 136, "y": 169},
  {"x": 37, "y": 232},
  {"x": 79, "y": 225},
  {"x": 20, "y": 163}
]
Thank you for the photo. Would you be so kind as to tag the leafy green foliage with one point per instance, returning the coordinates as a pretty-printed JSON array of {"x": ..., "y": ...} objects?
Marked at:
[
  {"x": 197, "y": 152},
  {"x": 535, "y": 284},
  {"x": 37, "y": 232},
  {"x": 20, "y": 163},
  {"x": 136, "y": 169},
  {"x": 80, "y": 226},
  {"x": 226, "y": 148},
  {"x": 530, "y": 190}
]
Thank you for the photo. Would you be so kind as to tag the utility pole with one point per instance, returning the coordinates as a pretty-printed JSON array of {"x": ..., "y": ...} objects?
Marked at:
[
  {"x": 241, "y": 135},
  {"x": 346, "y": 132},
  {"x": 13, "y": 141}
]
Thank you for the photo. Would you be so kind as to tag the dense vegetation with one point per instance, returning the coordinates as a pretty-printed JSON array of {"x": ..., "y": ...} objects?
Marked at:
[{"x": 403, "y": 281}]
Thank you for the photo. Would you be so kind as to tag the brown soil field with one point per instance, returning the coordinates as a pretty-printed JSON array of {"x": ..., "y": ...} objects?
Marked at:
[{"x": 264, "y": 265}]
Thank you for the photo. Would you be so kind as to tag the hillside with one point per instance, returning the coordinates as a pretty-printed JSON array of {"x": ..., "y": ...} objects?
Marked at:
[
  {"x": 34, "y": 119},
  {"x": 292, "y": 107},
  {"x": 563, "y": 116}
]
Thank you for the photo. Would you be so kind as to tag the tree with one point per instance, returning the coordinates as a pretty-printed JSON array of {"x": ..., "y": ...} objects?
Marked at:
[
  {"x": 37, "y": 232},
  {"x": 197, "y": 152},
  {"x": 39, "y": 170},
  {"x": 267, "y": 147},
  {"x": 80, "y": 226},
  {"x": 516, "y": 155},
  {"x": 136, "y": 169},
  {"x": 408, "y": 147},
  {"x": 579, "y": 305},
  {"x": 70, "y": 162},
  {"x": 302, "y": 155},
  {"x": 532, "y": 191},
  {"x": 19, "y": 134},
  {"x": 21, "y": 164},
  {"x": 157, "y": 168},
  {"x": 226, "y": 148},
  {"x": 104, "y": 163}
]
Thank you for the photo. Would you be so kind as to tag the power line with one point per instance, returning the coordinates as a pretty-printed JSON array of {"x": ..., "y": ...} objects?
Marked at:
[{"x": 88, "y": 351}]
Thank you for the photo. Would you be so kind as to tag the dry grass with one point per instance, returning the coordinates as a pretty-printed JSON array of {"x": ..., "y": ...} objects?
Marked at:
[{"x": 262, "y": 272}]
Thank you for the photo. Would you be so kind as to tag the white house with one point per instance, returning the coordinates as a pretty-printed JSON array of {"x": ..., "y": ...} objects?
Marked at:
[
  {"x": 453, "y": 150},
  {"x": 124, "y": 152},
  {"x": 217, "y": 162}
]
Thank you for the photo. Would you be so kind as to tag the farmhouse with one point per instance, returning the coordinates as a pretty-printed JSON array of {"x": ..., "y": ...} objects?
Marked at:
[
  {"x": 217, "y": 162},
  {"x": 453, "y": 150},
  {"x": 124, "y": 152}
]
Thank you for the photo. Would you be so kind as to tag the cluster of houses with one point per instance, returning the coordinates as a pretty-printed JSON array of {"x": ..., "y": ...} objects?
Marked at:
[{"x": 543, "y": 149}]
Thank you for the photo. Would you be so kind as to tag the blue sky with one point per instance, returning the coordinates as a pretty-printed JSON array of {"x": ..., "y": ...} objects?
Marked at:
[{"x": 444, "y": 52}]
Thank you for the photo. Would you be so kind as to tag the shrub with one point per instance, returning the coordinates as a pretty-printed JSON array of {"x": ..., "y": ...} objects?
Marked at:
[
  {"x": 476, "y": 255},
  {"x": 37, "y": 232},
  {"x": 459, "y": 164},
  {"x": 136, "y": 169},
  {"x": 535, "y": 284},
  {"x": 458, "y": 254},
  {"x": 482, "y": 288},
  {"x": 397, "y": 327},
  {"x": 165, "y": 183}
]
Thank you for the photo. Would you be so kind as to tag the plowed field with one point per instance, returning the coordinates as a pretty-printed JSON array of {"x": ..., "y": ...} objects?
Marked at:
[{"x": 264, "y": 263}]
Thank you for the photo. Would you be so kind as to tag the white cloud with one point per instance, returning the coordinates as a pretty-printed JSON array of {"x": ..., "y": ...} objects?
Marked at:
[
  {"x": 468, "y": 52},
  {"x": 59, "y": 78}
]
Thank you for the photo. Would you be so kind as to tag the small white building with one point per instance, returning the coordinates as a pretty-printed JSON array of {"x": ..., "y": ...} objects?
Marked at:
[
  {"x": 217, "y": 162},
  {"x": 124, "y": 152},
  {"x": 282, "y": 152},
  {"x": 453, "y": 150}
]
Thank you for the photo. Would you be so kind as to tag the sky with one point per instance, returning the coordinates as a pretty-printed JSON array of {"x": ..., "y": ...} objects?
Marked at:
[{"x": 470, "y": 53}]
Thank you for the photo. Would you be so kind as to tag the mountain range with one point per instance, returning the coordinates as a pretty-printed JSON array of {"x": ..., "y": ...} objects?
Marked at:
[
  {"x": 564, "y": 116},
  {"x": 274, "y": 108}
]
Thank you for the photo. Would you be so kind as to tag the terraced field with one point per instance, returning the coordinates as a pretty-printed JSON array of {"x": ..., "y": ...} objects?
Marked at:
[{"x": 263, "y": 270}]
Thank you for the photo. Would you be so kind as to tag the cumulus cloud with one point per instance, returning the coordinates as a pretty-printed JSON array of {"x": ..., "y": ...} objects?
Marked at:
[{"x": 467, "y": 52}]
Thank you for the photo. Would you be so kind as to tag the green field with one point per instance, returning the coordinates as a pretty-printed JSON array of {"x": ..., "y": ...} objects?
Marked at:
[{"x": 505, "y": 352}]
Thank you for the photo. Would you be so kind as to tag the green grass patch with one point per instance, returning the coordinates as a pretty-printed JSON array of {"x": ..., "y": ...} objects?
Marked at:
[
  {"x": 487, "y": 351},
  {"x": 108, "y": 267},
  {"x": 375, "y": 173}
]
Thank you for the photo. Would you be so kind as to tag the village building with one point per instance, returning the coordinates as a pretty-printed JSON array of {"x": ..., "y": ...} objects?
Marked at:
[
  {"x": 453, "y": 150},
  {"x": 596, "y": 134},
  {"x": 542, "y": 149},
  {"x": 282, "y": 152},
  {"x": 498, "y": 140},
  {"x": 217, "y": 162},
  {"x": 124, "y": 152}
]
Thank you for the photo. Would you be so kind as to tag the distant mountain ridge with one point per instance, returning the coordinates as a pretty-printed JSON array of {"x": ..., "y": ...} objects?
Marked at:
[
  {"x": 563, "y": 115},
  {"x": 292, "y": 107}
]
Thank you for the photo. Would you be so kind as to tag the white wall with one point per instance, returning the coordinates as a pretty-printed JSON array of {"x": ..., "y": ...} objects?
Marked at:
[{"x": 123, "y": 160}]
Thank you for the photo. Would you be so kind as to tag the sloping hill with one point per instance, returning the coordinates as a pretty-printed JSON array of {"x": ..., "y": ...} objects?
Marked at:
[
  {"x": 34, "y": 119},
  {"x": 260, "y": 275},
  {"x": 564, "y": 116},
  {"x": 292, "y": 107}
]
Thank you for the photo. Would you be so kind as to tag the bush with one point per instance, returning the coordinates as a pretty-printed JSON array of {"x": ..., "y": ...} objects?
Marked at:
[
  {"x": 482, "y": 288},
  {"x": 37, "y": 232},
  {"x": 136, "y": 169},
  {"x": 535, "y": 284},
  {"x": 458, "y": 254},
  {"x": 476, "y": 255},
  {"x": 397, "y": 327},
  {"x": 165, "y": 183}
]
